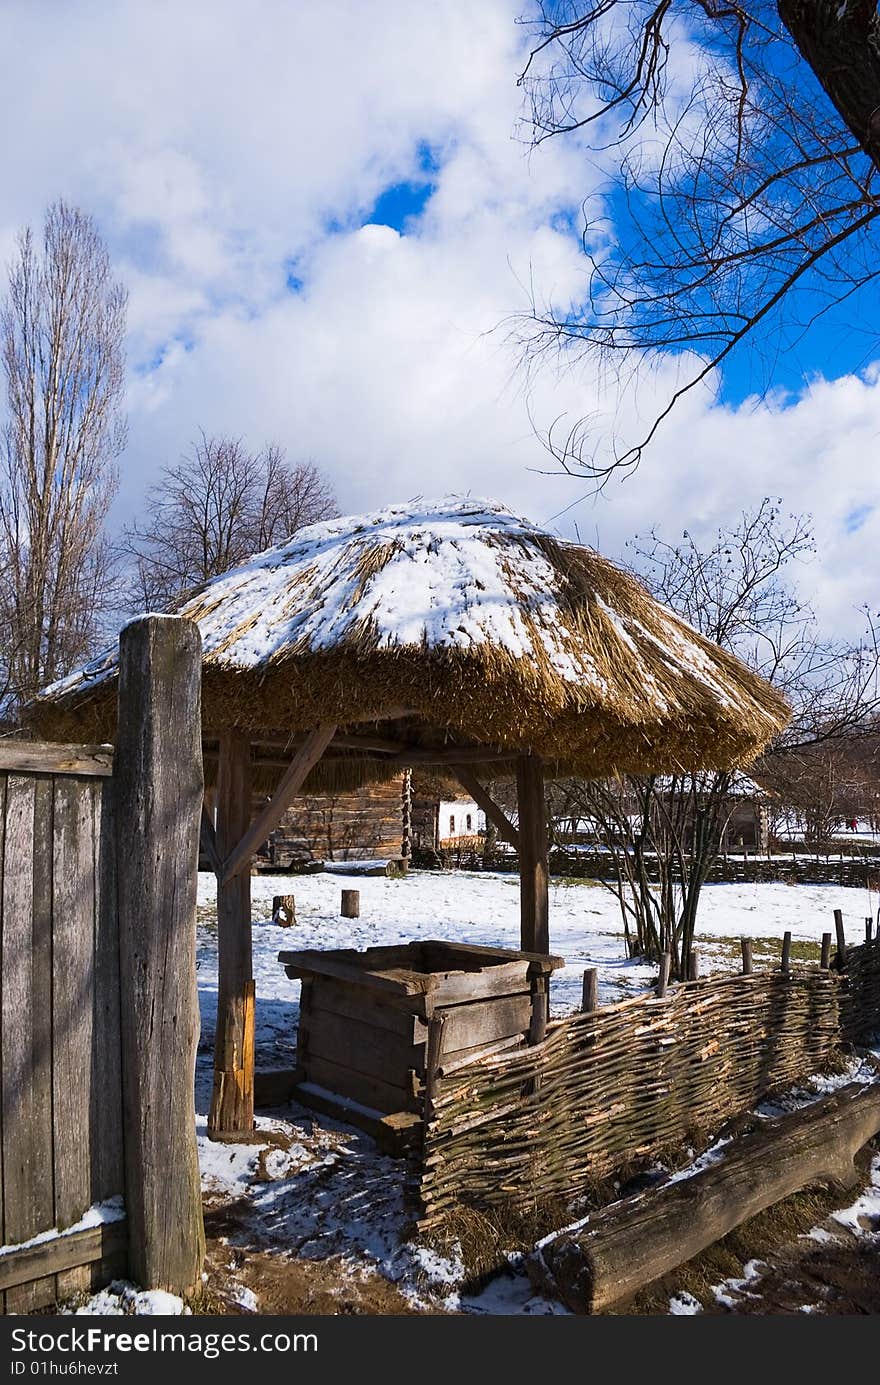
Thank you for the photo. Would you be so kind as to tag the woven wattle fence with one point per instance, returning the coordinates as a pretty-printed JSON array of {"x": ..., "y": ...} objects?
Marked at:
[{"x": 630, "y": 1080}]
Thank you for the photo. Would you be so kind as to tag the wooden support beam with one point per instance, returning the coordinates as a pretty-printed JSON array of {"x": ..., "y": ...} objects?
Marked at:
[
  {"x": 471, "y": 784},
  {"x": 534, "y": 872},
  {"x": 44, "y": 757},
  {"x": 634, "y": 1242},
  {"x": 159, "y": 794},
  {"x": 208, "y": 840},
  {"x": 232, "y": 1101},
  {"x": 268, "y": 819}
]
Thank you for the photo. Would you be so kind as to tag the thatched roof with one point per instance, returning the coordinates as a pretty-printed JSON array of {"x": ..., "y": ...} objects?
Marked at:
[{"x": 486, "y": 629}]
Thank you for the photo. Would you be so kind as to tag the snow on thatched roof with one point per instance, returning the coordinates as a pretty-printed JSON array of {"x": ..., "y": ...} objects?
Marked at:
[{"x": 482, "y": 623}]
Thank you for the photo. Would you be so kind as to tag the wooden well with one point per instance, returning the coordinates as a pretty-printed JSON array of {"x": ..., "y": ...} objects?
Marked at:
[{"x": 375, "y": 1025}]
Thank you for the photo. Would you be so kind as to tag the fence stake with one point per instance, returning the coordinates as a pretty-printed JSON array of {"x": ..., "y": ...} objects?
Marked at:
[
  {"x": 159, "y": 791},
  {"x": 786, "y": 953},
  {"x": 693, "y": 972},
  {"x": 746, "y": 944},
  {"x": 433, "y": 1050},
  {"x": 869, "y": 929},
  {"x": 590, "y": 1000},
  {"x": 663, "y": 978},
  {"x": 826, "y": 951},
  {"x": 841, "y": 939}
]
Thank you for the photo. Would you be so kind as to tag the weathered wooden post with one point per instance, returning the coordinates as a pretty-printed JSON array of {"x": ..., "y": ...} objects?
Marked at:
[
  {"x": 533, "y": 855},
  {"x": 786, "y": 953},
  {"x": 746, "y": 945},
  {"x": 159, "y": 787},
  {"x": 663, "y": 978},
  {"x": 825, "y": 961},
  {"x": 232, "y": 1100},
  {"x": 841, "y": 939},
  {"x": 590, "y": 999},
  {"x": 350, "y": 905},
  {"x": 869, "y": 929},
  {"x": 693, "y": 965}
]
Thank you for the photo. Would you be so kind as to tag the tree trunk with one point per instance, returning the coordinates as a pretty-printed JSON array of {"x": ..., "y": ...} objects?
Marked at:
[{"x": 841, "y": 43}]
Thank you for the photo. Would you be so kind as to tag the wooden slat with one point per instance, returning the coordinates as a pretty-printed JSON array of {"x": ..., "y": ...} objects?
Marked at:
[
  {"x": 42, "y": 757},
  {"x": 472, "y": 1026},
  {"x": 291, "y": 782},
  {"x": 108, "y": 1173},
  {"x": 62, "y": 1253},
  {"x": 359, "y": 1046},
  {"x": 369, "y": 1091},
  {"x": 73, "y": 1020},
  {"x": 356, "y": 1003},
  {"x": 308, "y": 963},
  {"x": 24, "y": 1135}
]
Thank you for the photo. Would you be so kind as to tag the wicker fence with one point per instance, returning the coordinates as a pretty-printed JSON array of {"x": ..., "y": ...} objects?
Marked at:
[{"x": 629, "y": 1080}]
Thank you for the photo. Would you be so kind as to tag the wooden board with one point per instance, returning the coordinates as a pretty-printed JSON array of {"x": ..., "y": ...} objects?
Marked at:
[
  {"x": 358, "y": 1003},
  {"x": 472, "y": 1026},
  {"x": 27, "y": 1191},
  {"x": 369, "y": 1091},
  {"x": 461, "y": 988},
  {"x": 43, "y": 757},
  {"x": 73, "y": 988},
  {"x": 108, "y": 1170},
  {"x": 359, "y": 1046},
  {"x": 60, "y": 1255}
]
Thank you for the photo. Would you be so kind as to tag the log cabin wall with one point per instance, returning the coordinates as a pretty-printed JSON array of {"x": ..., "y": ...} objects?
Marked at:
[{"x": 360, "y": 825}]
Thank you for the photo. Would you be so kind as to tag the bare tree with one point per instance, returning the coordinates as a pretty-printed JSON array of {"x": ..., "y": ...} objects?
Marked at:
[
  {"x": 738, "y": 146},
  {"x": 212, "y": 510},
  {"x": 663, "y": 832},
  {"x": 63, "y": 329}
]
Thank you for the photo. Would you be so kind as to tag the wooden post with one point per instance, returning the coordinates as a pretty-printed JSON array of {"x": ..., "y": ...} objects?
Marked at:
[
  {"x": 350, "y": 907},
  {"x": 590, "y": 1000},
  {"x": 786, "y": 953},
  {"x": 232, "y": 1101},
  {"x": 693, "y": 965},
  {"x": 869, "y": 929},
  {"x": 663, "y": 978},
  {"x": 433, "y": 1050},
  {"x": 825, "y": 963},
  {"x": 533, "y": 862},
  {"x": 746, "y": 944},
  {"x": 841, "y": 939},
  {"x": 158, "y": 778}
]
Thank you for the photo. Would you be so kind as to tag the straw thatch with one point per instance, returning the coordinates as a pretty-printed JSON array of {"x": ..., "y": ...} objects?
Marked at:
[{"x": 489, "y": 630}]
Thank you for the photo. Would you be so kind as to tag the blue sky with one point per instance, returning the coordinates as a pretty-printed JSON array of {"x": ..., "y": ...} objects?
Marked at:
[{"x": 330, "y": 227}]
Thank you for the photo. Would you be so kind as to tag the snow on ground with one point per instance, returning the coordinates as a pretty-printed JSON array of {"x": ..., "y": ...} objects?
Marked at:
[{"x": 319, "y": 1190}]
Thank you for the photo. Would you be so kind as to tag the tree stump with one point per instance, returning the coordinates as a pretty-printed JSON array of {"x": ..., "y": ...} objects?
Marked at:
[
  {"x": 283, "y": 910},
  {"x": 351, "y": 904}
]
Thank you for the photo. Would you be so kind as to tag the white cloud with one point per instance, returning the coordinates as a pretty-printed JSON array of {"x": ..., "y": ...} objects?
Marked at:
[{"x": 219, "y": 143}]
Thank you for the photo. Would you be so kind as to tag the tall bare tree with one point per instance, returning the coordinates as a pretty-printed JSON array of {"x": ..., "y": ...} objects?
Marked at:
[
  {"x": 734, "y": 156},
  {"x": 62, "y": 325},
  {"x": 212, "y": 509}
]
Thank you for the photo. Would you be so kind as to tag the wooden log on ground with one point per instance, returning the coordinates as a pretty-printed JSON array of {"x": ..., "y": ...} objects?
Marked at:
[
  {"x": 159, "y": 790},
  {"x": 350, "y": 906},
  {"x": 632, "y": 1243}
]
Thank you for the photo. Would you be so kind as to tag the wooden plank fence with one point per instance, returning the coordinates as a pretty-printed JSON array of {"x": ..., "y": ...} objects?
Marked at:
[{"x": 65, "y": 1138}]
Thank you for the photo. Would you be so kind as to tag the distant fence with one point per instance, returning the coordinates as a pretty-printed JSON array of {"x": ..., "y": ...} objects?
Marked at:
[
  {"x": 86, "y": 1148},
  {"x": 627, "y": 1081},
  {"x": 856, "y": 872}
]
